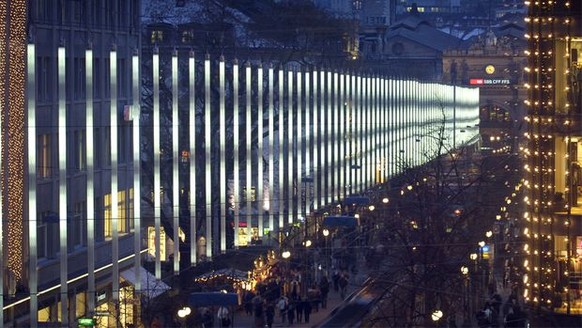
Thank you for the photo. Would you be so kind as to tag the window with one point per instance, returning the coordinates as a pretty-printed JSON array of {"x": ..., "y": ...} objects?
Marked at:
[
  {"x": 78, "y": 225},
  {"x": 122, "y": 143},
  {"x": 44, "y": 165},
  {"x": 107, "y": 228},
  {"x": 79, "y": 87},
  {"x": 123, "y": 226},
  {"x": 157, "y": 36},
  {"x": 41, "y": 238},
  {"x": 130, "y": 214},
  {"x": 107, "y": 79},
  {"x": 80, "y": 150},
  {"x": 97, "y": 78}
]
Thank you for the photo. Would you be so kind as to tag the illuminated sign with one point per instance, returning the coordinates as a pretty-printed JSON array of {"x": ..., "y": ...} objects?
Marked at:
[{"x": 489, "y": 82}]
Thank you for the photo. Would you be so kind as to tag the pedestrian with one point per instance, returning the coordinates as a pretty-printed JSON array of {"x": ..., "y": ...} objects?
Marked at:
[
  {"x": 282, "y": 306},
  {"x": 324, "y": 289},
  {"x": 207, "y": 318},
  {"x": 223, "y": 316},
  {"x": 291, "y": 312},
  {"x": 307, "y": 309},
  {"x": 299, "y": 310},
  {"x": 335, "y": 278},
  {"x": 343, "y": 284},
  {"x": 270, "y": 314},
  {"x": 258, "y": 311}
]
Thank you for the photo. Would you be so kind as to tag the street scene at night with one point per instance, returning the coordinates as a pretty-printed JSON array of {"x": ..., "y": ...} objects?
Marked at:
[{"x": 291, "y": 163}]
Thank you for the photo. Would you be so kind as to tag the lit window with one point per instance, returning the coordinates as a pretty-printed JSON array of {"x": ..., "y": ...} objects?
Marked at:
[
  {"x": 157, "y": 36},
  {"x": 44, "y": 165}
]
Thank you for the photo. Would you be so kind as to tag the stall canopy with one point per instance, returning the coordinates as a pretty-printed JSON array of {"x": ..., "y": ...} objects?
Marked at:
[
  {"x": 340, "y": 221},
  {"x": 213, "y": 299},
  {"x": 229, "y": 272},
  {"x": 357, "y": 200},
  {"x": 150, "y": 286}
]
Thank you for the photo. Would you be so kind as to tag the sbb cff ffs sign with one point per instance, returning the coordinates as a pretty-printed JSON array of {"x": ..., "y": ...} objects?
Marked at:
[{"x": 489, "y": 81}]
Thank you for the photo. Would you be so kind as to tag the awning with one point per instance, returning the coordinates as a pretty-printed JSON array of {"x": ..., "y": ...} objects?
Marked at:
[
  {"x": 340, "y": 221},
  {"x": 213, "y": 299},
  {"x": 150, "y": 286},
  {"x": 357, "y": 200}
]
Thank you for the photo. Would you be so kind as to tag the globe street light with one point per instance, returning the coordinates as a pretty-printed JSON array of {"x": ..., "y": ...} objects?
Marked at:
[{"x": 437, "y": 315}]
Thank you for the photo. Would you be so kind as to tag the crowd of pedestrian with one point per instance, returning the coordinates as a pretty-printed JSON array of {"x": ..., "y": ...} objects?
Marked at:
[
  {"x": 495, "y": 313},
  {"x": 288, "y": 295}
]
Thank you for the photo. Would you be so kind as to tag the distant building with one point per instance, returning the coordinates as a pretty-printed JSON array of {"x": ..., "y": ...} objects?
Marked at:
[
  {"x": 494, "y": 62},
  {"x": 410, "y": 47}
]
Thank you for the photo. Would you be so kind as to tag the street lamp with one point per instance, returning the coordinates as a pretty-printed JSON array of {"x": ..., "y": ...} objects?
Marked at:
[
  {"x": 437, "y": 315},
  {"x": 183, "y": 313}
]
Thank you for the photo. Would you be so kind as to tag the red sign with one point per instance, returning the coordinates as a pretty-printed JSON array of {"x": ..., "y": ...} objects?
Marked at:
[{"x": 476, "y": 81}]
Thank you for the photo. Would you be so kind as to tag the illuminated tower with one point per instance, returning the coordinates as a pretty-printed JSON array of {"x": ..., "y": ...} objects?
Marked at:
[{"x": 552, "y": 226}]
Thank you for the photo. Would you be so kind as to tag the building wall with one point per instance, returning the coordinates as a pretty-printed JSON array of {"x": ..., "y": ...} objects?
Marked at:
[{"x": 76, "y": 26}]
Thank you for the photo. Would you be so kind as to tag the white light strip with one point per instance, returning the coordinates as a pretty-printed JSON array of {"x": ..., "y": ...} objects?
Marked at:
[
  {"x": 322, "y": 165},
  {"x": 351, "y": 130},
  {"x": 315, "y": 166},
  {"x": 260, "y": 152},
  {"x": 157, "y": 183},
  {"x": 89, "y": 128},
  {"x": 329, "y": 162},
  {"x": 136, "y": 116},
  {"x": 207, "y": 157},
  {"x": 367, "y": 129},
  {"x": 192, "y": 156},
  {"x": 336, "y": 141},
  {"x": 32, "y": 210},
  {"x": 236, "y": 139},
  {"x": 176, "y": 164},
  {"x": 249, "y": 154},
  {"x": 280, "y": 200},
  {"x": 290, "y": 144},
  {"x": 271, "y": 150},
  {"x": 308, "y": 143},
  {"x": 341, "y": 139},
  {"x": 62, "y": 128},
  {"x": 114, "y": 177},
  {"x": 299, "y": 145},
  {"x": 222, "y": 137}
]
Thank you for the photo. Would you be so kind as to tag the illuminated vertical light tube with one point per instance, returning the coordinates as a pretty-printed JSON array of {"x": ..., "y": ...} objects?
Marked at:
[
  {"x": 290, "y": 147},
  {"x": 222, "y": 137},
  {"x": 369, "y": 129},
  {"x": 192, "y": 142},
  {"x": 332, "y": 114},
  {"x": 260, "y": 152},
  {"x": 359, "y": 131},
  {"x": 281, "y": 148},
  {"x": 176, "y": 164},
  {"x": 32, "y": 211},
  {"x": 299, "y": 144},
  {"x": 114, "y": 176},
  {"x": 336, "y": 136},
  {"x": 236, "y": 141},
  {"x": 322, "y": 153},
  {"x": 340, "y": 139},
  {"x": 308, "y": 142},
  {"x": 136, "y": 115},
  {"x": 329, "y": 185},
  {"x": 157, "y": 183},
  {"x": 271, "y": 148},
  {"x": 207, "y": 157},
  {"x": 315, "y": 148},
  {"x": 352, "y": 131},
  {"x": 89, "y": 128},
  {"x": 62, "y": 128},
  {"x": 249, "y": 154}
]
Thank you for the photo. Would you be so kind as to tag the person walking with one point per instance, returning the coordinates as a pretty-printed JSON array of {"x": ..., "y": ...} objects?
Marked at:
[
  {"x": 299, "y": 309},
  {"x": 291, "y": 312},
  {"x": 282, "y": 306},
  {"x": 270, "y": 314},
  {"x": 223, "y": 316},
  {"x": 307, "y": 309},
  {"x": 324, "y": 290},
  {"x": 343, "y": 284}
]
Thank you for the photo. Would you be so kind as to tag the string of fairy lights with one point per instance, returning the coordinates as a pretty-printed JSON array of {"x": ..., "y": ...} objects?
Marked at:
[{"x": 547, "y": 31}]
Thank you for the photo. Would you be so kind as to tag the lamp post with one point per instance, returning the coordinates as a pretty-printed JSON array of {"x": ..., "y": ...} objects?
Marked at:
[{"x": 326, "y": 235}]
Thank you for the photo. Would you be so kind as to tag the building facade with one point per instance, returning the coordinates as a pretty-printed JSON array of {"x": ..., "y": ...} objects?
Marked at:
[
  {"x": 552, "y": 226},
  {"x": 71, "y": 72}
]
